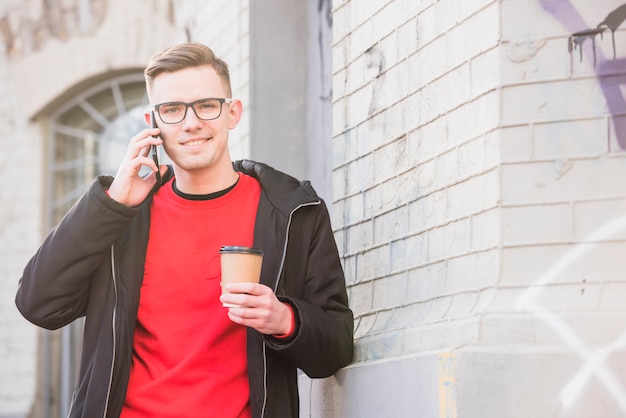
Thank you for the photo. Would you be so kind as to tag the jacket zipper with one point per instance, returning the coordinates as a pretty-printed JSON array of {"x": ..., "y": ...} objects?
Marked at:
[
  {"x": 114, "y": 278},
  {"x": 280, "y": 270}
]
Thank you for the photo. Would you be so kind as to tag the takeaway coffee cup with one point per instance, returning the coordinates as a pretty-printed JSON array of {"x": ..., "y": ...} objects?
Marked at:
[{"x": 240, "y": 264}]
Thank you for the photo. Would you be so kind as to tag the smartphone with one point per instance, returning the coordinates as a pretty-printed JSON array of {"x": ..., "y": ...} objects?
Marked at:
[{"x": 155, "y": 151}]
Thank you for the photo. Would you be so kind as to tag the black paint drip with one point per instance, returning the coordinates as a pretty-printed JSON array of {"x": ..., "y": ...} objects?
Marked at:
[{"x": 612, "y": 21}]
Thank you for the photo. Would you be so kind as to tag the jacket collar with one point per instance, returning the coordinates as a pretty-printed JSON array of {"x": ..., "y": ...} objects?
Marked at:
[{"x": 284, "y": 192}]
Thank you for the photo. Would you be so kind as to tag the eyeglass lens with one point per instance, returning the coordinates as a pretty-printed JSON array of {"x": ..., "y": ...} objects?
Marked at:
[{"x": 175, "y": 112}]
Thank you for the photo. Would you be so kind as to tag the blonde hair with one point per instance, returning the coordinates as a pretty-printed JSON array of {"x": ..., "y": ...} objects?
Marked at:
[{"x": 186, "y": 55}]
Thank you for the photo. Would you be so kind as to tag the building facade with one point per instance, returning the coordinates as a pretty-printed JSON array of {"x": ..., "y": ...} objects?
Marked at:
[{"x": 471, "y": 153}]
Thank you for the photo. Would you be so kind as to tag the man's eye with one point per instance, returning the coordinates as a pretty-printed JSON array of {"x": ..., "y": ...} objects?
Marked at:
[
  {"x": 171, "y": 109},
  {"x": 207, "y": 105}
]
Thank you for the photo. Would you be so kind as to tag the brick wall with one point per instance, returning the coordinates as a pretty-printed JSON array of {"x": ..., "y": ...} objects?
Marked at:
[
  {"x": 416, "y": 182},
  {"x": 479, "y": 203}
]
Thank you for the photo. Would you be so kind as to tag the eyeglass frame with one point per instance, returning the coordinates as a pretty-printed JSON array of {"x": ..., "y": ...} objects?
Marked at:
[{"x": 222, "y": 100}]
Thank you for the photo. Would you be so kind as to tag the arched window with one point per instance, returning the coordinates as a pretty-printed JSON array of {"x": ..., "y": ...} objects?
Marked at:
[{"x": 89, "y": 135}]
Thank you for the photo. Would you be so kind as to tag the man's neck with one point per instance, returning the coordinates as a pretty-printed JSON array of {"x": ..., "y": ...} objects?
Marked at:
[{"x": 203, "y": 182}]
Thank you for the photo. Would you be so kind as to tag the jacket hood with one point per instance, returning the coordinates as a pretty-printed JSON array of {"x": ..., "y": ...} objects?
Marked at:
[{"x": 283, "y": 191}]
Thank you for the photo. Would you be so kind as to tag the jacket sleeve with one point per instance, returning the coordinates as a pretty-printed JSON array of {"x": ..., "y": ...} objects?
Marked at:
[
  {"x": 323, "y": 340},
  {"x": 53, "y": 290}
]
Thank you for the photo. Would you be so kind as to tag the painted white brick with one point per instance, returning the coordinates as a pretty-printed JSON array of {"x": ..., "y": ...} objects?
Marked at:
[
  {"x": 474, "y": 118},
  {"x": 472, "y": 272},
  {"x": 516, "y": 144},
  {"x": 617, "y": 130},
  {"x": 406, "y": 39},
  {"x": 463, "y": 305},
  {"x": 359, "y": 104},
  {"x": 485, "y": 72},
  {"x": 427, "y": 64},
  {"x": 387, "y": 19},
  {"x": 388, "y": 88},
  {"x": 391, "y": 226},
  {"x": 450, "y": 240},
  {"x": 427, "y": 29},
  {"x": 391, "y": 194},
  {"x": 371, "y": 134},
  {"x": 340, "y": 126},
  {"x": 339, "y": 182},
  {"x": 533, "y": 59},
  {"x": 612, "y": 299},
  {"x": 361, "y": 39},
  {"x": 354, "y": 210},
  {"x": 524, "y": 330},
  {"x": 473, "y": 196},
  {"x": 486, "y": 230},
  {"x": 472, "y": 158},
  {"x": 413, "y": 7},
  {"x": 341, "y": 22},
  {"x": 429, "y": 141},
  {"x": 360, "y": 237},
  {"x": 562, "y": 181},
  {"x": 474, "y": 36},
  {"x": 391, "y": 160},
  {"x": 428, "y": 212},
  {"x": 529, "y": 20},
  {"x": 363, "y": 11},
  {"x": 373, "y": 201},
  {"x": 492, "y": 149},
  {"x": 572, "y": 139},
  {"x": 361, "y": 297},
  {"x": 600, "y": 220},
  {"x": 380, "y": 324},
  {"x": 378, "y": 345},
  {"x": 427, "y": 283},
  {"x": 390, "y": 292},
  {"x": 416, "y": 251},
  {"x": 362, "y": 70},
  {"x": 447, "y": 166},
  {"x": 557, "y": 100},
  {"x": 360, "y": 174},
  {"x": 372, "y": 263},
  {"x": 555, "y": 264},
  {"x": 537, "y": 224}
]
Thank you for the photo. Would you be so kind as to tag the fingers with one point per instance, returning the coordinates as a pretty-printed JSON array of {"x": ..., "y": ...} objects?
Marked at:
[
  {"x": 259, "y": 308},
  {"x": 139, "y": 146},
  {"x": 128, "y": 187}
]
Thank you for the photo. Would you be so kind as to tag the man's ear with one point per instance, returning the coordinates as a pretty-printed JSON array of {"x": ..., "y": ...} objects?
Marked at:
[
  {"x": 147, "y": 116},
  {"x": 234, "y": 114}
]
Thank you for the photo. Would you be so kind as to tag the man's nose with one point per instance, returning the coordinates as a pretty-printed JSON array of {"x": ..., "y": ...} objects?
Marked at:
[{"x": 191, "y": 121}]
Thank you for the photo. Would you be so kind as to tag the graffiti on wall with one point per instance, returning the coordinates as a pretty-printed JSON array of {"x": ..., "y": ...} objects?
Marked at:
[
  {"x": 567, "y": 14},
  {"x": 612, "y": 22},
  {"x": 29, "y": 24},
  {"x": 593, "y": 358}
]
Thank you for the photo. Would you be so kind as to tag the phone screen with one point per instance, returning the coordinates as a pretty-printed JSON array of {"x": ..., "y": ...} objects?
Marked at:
[{"x": 155, "y": 151}]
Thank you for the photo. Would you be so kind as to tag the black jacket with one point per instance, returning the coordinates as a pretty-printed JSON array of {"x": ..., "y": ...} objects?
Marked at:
[{"x": 92, "y": 265}]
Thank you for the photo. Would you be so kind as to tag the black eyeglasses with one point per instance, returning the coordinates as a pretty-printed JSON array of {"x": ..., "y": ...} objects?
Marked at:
[{"x": 205, "y": 109}]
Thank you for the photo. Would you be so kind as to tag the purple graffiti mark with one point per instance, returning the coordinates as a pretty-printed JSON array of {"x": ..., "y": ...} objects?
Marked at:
[
  {"x": 612, "y": 21},
  {"x": 564, "y": 12}
]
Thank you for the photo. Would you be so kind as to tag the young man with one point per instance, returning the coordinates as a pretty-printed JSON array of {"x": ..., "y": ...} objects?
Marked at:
[{"x": 140, "y": 261}]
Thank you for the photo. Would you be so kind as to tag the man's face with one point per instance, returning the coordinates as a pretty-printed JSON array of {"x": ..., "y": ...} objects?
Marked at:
[{"x": 195, "y": 144}]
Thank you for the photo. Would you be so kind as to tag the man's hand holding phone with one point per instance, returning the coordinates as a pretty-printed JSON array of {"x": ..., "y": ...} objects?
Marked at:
[{"x": 129, "y": 187}]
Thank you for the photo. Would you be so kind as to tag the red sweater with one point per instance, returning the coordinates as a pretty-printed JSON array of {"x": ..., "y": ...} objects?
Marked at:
[{"x": 189, "y": 359}]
